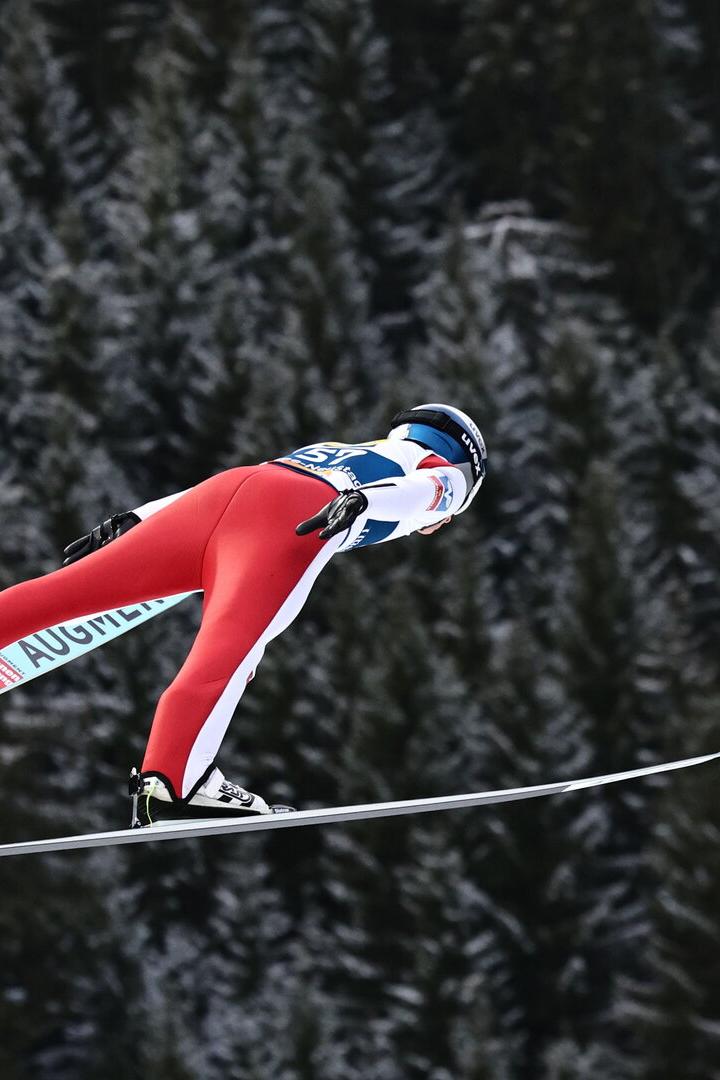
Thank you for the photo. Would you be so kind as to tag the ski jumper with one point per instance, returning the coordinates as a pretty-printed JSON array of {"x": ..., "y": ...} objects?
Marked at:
[{"x": 233, "y": 537}]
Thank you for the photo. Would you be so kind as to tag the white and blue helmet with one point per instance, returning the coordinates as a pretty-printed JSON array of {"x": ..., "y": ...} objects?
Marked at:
[{"x": 450, "y": 433}]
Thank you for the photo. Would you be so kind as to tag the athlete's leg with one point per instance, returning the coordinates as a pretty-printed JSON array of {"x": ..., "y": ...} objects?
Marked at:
[
  {"x": 256, "y": 574},
  {"x": 161, "y": 556}
]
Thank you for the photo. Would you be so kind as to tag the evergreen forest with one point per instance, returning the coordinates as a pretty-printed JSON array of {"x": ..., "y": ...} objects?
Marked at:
[{"x": 234, "y": 227}]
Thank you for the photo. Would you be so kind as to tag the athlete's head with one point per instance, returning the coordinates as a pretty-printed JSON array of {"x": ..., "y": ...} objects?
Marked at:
[{"x": 450, "y": 433}]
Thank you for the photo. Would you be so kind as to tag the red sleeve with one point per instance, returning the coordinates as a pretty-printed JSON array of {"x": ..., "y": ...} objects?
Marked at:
[{"x": 434, "y": 461}]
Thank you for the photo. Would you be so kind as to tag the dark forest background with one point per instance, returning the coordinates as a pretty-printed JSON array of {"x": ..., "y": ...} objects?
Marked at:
[{"x": 231, "y": 228}]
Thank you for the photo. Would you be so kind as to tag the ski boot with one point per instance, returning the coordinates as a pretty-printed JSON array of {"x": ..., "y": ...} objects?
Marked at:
[{"x": 154, "y": 803}]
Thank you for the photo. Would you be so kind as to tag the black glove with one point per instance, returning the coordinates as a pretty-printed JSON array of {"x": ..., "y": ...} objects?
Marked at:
[
  {"x": 100, "y": 536},
  {"x": 336, "y": 516}
]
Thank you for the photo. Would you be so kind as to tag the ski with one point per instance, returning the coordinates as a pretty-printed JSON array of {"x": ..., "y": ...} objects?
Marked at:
[
  {"x": 49, "y": 649},
  {"x": 332, "y": 815}
]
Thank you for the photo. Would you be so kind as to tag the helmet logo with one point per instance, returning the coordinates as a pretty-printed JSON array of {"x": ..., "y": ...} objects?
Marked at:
[{"x": 472, "y": 450}]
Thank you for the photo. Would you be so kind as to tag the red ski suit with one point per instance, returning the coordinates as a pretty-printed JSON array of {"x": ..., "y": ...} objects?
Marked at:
[
  {"x": 252, "y": 578},
  {"x": 233, "y": 537}
]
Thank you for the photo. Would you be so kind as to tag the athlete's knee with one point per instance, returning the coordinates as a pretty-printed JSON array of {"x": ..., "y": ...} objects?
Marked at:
[{"x": 189, "y": 693}]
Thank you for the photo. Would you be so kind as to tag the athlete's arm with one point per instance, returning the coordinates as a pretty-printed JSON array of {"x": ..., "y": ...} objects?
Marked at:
[
  {"x": 112, "y": 528},
  {"x": 427, "y": 493},
  {"x": 149, "y": 508},
  {"x": 422, "y": 499}
]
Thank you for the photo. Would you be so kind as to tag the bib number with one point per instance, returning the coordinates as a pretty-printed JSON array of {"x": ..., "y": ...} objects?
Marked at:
[{"x": 329, "y": 457}]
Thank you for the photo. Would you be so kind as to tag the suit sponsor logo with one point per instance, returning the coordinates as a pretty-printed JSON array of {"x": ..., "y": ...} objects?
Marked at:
[
  {"x": 442, "y": 498},
  {"x": 439, "y": 489},
  {"x": 9, "y": 675},
  {"x": 48, "y": 645}
]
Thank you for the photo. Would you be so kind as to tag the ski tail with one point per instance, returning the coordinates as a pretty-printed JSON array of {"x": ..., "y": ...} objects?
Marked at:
[{"x": 49, "y": 649}]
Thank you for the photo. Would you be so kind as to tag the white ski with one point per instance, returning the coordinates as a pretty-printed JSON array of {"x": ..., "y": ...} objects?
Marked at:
[
  {"x": 332, "y": 815},
  {"x": 39, "y": 653}
]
